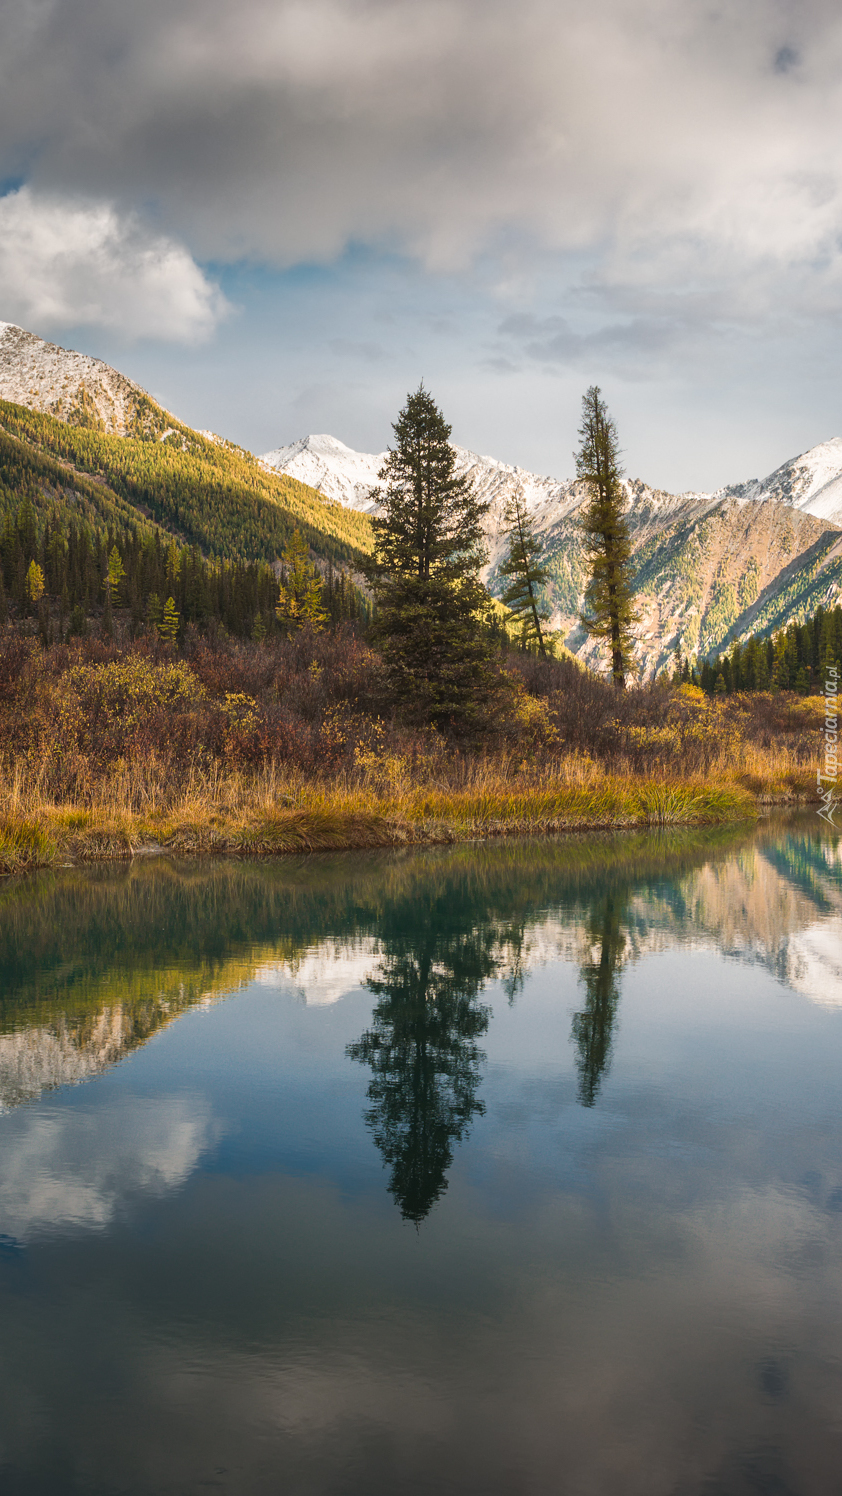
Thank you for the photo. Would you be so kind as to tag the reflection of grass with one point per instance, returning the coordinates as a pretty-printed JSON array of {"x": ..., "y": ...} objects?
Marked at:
[{"x": 268, "y": 814}]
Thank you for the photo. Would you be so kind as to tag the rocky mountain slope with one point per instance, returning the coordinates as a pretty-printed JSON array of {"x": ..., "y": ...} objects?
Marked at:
[
  {"x": 711, "y": 567},
  {"x": 75, "y": 431},
  {"x": 71, "y": 386}
]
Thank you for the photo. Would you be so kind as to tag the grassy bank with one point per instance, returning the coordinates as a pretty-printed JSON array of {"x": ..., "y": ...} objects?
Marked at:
[
  {"x": 268, "y": 815},
  {"x": 118, "y": 751}
]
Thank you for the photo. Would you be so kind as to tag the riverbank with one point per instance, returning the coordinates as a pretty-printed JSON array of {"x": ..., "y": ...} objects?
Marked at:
[{"x": 231, "y": 821}]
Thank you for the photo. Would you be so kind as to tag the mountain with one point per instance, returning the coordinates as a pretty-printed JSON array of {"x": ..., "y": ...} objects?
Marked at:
[
  {"x": 711, "y": 567},
  {"x": 811, "y": 482},
  {"x": 76, "y": 432},
  {"x": 331, "y": 468},
  {"x": 71, "y": 386}
]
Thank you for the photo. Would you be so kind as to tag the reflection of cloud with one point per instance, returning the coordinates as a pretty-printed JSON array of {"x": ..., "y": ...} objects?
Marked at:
[
  {"x": 325, "y": 973},
  {"x": 66, "y": 1169},
  {"x": 656, "y": 1380},
  {"x": 814, "y": 962}
]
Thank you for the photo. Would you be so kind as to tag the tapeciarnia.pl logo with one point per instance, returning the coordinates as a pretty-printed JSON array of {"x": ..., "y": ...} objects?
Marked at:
[{"x": 826, "y": 781}]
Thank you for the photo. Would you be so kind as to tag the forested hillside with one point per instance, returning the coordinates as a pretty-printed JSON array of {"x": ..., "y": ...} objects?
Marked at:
[
  {"x": 799, "y": 658},
  {"x": 204, "y": 492},
  {"x": 91, "y": 514}
]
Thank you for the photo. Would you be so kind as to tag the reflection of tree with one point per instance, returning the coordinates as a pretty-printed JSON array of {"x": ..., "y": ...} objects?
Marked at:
[
  {"x": 423, "y": 1054},
  {"x": 593, "y": 1027}
]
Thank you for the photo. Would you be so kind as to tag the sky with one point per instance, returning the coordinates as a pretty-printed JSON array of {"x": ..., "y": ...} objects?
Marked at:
[{"x": 279, "y": 216}]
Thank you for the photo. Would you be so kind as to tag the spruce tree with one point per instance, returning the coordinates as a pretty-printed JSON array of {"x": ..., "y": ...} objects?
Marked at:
[
  {"x": 300, "y": 601},
  {"x": 170, "y": 623},
  {"x": 433, "y": 611},
  {"x": 526, "y": 574},
  {"x": 608, "y": 611}
]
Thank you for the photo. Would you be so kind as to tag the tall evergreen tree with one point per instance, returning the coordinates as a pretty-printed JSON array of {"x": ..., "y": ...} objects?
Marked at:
[
  {"x": 434, "y": 612},
  {"x": 526, "y": 574},
  {"x": 608, "y": 611}
]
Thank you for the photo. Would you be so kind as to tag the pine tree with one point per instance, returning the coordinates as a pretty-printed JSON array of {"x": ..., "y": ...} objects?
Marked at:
[
  {"x": 116, "y": 574},
  {"x": 169, "y": 625},
  {"x": 433, "y": 610},
  {"x": 608, "y": 611},
  {"x": 35, "y": 582},
  {"x": 154, "y": 611},
  {"x": 522, "y": 566},
  {"x": 300, "y": 603}
]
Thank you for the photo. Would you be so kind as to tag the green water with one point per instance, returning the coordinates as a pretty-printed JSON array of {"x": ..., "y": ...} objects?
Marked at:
[{"x": 498, "y": 1169}]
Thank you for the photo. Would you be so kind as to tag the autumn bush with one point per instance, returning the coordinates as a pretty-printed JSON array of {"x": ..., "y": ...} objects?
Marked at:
[{"x": 80, "y": 715}]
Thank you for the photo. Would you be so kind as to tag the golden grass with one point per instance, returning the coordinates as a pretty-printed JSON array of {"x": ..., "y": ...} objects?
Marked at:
[{"x": 272, "y": 812}]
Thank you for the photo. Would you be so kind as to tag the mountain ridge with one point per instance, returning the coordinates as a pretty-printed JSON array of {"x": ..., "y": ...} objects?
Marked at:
[{"x": 711, "y": 567}]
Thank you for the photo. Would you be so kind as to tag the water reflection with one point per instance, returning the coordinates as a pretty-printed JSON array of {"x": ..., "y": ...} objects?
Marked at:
[
  {"x": 94, "y": 963},
  {"x": 593, "y": 1027},
  {"x": 422, "y": 1044},
  {"x": 604, "y": 1072}
]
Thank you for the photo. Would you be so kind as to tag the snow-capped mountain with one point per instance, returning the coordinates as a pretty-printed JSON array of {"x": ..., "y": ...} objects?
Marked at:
[
  {"x": 59, "y": 382},
  {"x": 348, "y": 477},
  {"x": 335, "y": 471},
  {"x": 711, "y": 566},
  {"x": 811, "y": 482}
]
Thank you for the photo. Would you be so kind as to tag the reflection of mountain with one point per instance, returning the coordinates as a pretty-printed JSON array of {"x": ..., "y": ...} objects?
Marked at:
[
  {"x": 95, "y": 962},
  {"x": 41, "y": 1058}
]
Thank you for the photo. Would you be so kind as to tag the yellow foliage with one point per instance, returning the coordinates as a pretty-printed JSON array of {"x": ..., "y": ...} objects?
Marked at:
[
  {"x": 35, "y": 582},
  {"x": 131, "y": 688},
  {"x": 531, "y": 717}
]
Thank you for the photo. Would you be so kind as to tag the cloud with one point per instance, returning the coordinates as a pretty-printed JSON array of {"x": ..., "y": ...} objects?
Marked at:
[
  {"x": 687, "y": 142},
  {"x": 67, "y": 263}
]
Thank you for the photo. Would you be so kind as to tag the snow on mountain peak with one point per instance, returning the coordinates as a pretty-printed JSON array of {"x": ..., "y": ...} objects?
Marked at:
[
  {"x": 53, "y": 380},
  {"x": 334, "y": 470},
  {"x": 811, "y": 482}
]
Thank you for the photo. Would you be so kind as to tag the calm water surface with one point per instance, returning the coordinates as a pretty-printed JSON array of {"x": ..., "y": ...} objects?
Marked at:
[{"x": 495, "y": 1170}]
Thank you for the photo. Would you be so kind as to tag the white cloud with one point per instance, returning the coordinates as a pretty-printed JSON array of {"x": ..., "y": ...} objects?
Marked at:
[
  {"x": 67, "y": 263},
  {"x": 75, "y": 1169}
]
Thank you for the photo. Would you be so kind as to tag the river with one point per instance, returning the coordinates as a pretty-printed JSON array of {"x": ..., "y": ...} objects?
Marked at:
[{"x": 510, "y": 1169}]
